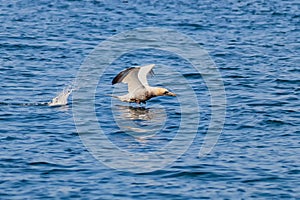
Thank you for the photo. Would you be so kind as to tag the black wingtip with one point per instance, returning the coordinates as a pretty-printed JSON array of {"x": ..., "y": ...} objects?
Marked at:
[
  {"x": 114, "y": 81},
  {"x": 121, "y": 75}
]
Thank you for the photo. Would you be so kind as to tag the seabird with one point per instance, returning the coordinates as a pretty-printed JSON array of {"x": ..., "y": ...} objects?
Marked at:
[{"x": 139, "y": 90}]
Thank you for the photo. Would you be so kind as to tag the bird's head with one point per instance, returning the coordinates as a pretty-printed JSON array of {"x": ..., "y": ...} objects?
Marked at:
[{"x": 163, "y": 92}]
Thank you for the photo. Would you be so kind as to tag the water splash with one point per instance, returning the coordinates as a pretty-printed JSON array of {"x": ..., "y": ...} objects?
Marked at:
[{"x": 62, "y": 98}]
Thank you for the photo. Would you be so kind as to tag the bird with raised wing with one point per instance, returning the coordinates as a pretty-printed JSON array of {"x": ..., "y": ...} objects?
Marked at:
[{"x": 139, "y": 90}]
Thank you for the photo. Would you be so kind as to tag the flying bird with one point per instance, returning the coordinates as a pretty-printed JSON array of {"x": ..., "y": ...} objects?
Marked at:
[{"x": 139, "y": 90}]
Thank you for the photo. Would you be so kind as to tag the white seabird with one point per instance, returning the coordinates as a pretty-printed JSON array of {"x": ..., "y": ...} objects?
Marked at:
[{"x": 139, "y": 90}]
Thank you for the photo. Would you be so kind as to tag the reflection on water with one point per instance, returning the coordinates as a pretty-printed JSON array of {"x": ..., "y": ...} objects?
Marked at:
[
  {"x": 136, "y": 113},
  {"x": 140, "y": 122}
]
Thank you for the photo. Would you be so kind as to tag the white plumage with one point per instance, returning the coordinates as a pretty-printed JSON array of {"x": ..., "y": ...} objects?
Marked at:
[{"x": 139, "y": 90}]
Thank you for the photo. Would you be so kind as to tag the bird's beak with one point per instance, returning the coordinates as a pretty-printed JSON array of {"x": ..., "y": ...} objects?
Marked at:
[{"x": 171, "y": 94}]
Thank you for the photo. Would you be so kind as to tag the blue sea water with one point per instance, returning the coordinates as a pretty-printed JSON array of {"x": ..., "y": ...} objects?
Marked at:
[{"x": 255, "y": 45}]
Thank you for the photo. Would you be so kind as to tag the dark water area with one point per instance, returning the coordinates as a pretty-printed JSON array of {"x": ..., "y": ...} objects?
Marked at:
[{"x": 255, "y": 46}]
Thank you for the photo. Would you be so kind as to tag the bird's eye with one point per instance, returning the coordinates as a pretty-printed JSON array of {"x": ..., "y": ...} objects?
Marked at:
[{"x": 166, "y": 92}]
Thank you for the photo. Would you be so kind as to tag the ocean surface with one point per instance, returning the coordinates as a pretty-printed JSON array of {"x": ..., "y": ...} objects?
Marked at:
[{"x": 45, "y": 152}]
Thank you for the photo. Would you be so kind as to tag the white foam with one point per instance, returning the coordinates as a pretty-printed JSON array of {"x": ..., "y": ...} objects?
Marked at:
[{"x": 62, "y": 98}]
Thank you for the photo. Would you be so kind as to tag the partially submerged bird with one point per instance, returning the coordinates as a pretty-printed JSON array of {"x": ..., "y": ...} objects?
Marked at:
[{"x": 139, "y": 90}]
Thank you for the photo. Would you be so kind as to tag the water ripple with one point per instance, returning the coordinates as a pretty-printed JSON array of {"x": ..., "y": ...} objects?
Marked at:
[{"x": 255, "y": 45}]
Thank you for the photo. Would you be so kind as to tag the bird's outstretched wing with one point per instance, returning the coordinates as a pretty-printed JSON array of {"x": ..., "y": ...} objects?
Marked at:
[
  {"x": 144, "y": 72},
  {"x": 119, "y": 78},
  {"x": 135, "y": 77}
]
